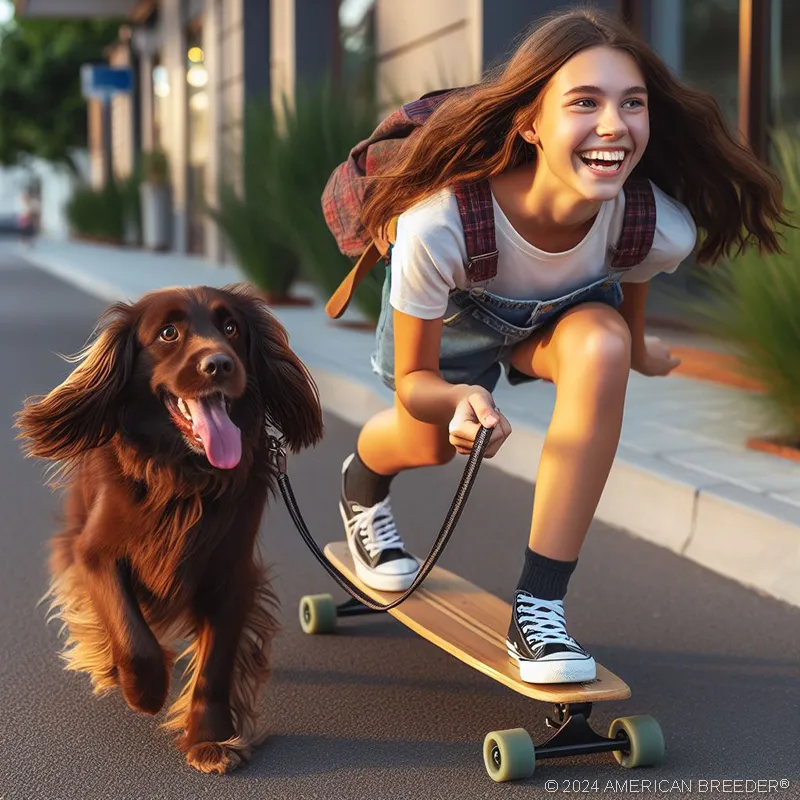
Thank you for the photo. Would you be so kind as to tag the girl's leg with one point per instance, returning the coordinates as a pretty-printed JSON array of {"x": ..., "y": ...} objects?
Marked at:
[
  {"x": 393, "y": 440},
  {"x": 390, "y": 442},
  {"x": 587, "y": 355}
]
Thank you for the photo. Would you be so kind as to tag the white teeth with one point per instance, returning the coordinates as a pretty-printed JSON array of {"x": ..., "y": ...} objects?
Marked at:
[
  {"x": 184, "y": 409},
  {"x": 604, "y": 155}
]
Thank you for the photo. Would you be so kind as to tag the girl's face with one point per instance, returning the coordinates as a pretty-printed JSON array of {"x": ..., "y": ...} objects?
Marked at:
[{"x": 593, "y": 125}]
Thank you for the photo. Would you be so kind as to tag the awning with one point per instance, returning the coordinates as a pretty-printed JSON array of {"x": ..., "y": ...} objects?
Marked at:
[{"x": 81, "y": 9}]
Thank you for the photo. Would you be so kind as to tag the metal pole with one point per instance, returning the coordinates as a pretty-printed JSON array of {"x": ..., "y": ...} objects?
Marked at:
[
  {"x": 108, "y": 171},
  {"x": 754, "y": 68}
]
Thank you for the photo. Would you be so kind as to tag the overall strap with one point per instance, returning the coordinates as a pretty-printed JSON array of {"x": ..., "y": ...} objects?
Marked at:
[
  {"x": 477, "y": 216},
  {"x": 638, "y": 225}
]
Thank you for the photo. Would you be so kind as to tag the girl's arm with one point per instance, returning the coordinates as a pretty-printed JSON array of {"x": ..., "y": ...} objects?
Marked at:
[
  {"x": 418, "y": 382},
  {"x": 632, "y": 311}
]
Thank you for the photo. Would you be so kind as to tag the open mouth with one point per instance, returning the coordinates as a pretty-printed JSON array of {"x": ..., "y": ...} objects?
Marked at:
[
  {"x": 604, "y": 162},
  {"x": 206, "y": 426}
]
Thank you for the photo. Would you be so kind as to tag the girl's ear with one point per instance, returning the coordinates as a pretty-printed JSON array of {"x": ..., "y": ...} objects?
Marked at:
[
  {"x": 288, "y": 392},
  {"x": 81, "y": 413}
]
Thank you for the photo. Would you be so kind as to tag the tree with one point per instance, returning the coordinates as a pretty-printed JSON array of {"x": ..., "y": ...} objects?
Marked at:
[{"x": 43, "y": 112}]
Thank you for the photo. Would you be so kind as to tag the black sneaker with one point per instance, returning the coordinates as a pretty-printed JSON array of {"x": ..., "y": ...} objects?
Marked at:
[
  {"x": 381, "y": 560},
  {"x": 538, "y": 641}
]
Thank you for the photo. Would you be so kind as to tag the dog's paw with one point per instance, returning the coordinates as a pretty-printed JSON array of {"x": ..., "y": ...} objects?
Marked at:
[
  {"x": 214, "y": 757},
  {"x": 145, "y": 683}
]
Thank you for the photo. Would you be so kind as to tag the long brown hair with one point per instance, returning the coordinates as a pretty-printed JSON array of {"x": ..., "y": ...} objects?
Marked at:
[{"x": 734, "y": 198}]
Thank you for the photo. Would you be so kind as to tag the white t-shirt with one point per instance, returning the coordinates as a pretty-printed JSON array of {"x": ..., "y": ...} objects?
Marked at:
[{"x": 429, "y": 255}]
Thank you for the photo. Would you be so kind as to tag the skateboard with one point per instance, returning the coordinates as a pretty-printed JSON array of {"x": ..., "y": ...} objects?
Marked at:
[{"x": 470, "y": 624}]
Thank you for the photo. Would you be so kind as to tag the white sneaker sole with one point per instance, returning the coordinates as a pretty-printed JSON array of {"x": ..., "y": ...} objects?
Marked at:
[
  {"x": 566, "y": 670},
  {"x": 376, "y": 580}
]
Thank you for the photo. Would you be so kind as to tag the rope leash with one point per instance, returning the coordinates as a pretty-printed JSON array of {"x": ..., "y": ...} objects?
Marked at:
[{"x": 278, "y": 453}]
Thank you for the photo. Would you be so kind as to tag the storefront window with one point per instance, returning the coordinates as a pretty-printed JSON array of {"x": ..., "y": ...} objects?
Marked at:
[
  {"x": 710, "y": 51},
  {"x": 198, "y": 99},
  {"x": 161, "y": 92},
  {"x": 357, "y": 46},
  {"x": 785, "y": 66}
]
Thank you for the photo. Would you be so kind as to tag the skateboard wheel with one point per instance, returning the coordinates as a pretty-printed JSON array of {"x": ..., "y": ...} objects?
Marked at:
[
  {"x": 317, "y": 613},
  {"x": 645, "y": 737},
  {"x": 509, "y": 755}
]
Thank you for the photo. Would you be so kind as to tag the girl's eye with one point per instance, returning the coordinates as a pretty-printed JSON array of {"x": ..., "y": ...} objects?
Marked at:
[
  {"x": 169, "y": 333},
  {"x": 230, "y": 328},
  {"x": 632, "y": 103}
]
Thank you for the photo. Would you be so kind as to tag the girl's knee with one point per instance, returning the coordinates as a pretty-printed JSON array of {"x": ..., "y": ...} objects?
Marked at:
[
  {"x": 597, "y": 341},
  {"x": 434, "y": 454}
]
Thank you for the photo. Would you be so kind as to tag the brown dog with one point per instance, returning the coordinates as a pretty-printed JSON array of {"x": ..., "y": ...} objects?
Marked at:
[{"x": 161, "y": 437}]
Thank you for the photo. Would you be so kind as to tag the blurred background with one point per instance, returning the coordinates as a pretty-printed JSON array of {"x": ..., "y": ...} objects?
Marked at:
[
  {"x": 209, "y": 127},
  {"x": 195, "y": 66}
]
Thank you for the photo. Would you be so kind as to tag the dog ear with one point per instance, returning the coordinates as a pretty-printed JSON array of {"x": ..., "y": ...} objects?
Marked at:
[
  {"x": 81, "y": 413},
  {"x": 288, "y": 392}
]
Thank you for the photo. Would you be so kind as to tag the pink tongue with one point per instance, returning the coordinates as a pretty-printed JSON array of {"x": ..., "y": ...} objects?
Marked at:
[{"x": 222, "y": 440}]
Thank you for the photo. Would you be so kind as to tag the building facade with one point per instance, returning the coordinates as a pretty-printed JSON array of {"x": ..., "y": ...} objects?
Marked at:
[{"x": 198, "y": 63}]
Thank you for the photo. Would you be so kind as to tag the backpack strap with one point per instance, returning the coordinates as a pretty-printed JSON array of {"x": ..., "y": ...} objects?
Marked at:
[
  {"x": 638, "y": 225},
  {"x": 340, "y": 299},
  {"x": 477, "y": 217}
]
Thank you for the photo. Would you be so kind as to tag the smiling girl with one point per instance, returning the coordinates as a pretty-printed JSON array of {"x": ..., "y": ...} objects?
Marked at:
[{"x": 599, "y": 168}]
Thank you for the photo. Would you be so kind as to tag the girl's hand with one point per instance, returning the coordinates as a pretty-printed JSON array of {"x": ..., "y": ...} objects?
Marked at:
[
  {"x": 475, "y": 410},
  {"x": 653, "y": 358}
]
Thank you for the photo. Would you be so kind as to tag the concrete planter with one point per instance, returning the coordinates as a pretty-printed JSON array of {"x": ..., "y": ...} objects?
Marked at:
[
  {"x": 156, "y": 216},
  {"x": 776, "y": 447}
]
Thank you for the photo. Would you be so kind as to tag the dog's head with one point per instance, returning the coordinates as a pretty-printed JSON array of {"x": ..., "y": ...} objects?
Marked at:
[{"x": 185, "y": 373}]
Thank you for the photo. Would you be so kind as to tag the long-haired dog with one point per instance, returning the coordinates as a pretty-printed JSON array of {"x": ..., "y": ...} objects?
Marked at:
[{"x": 160, "y": 434}]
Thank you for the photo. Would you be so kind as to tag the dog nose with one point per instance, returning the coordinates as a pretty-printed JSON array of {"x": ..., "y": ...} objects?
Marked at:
[{"x": 216, "y": 364}]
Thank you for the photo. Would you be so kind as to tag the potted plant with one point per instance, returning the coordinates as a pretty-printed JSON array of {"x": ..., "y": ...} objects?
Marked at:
[
  {"x": 752, "y": 305},
  {"x": 156, "y": 201}
]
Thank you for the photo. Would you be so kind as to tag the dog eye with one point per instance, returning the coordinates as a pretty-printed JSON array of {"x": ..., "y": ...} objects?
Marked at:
[
  {"x": 169, "y": 333},
  {"x": 230, "y": 328}
]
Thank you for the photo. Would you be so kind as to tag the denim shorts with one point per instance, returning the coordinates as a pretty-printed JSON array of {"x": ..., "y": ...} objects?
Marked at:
[{"x": 480, "y": 329}]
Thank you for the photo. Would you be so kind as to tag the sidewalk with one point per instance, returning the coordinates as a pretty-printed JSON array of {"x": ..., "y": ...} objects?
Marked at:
[{"x": 682, "y": 479}]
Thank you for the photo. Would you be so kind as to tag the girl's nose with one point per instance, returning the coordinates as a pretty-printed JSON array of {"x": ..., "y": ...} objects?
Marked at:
[{"x": 611, "y": 123}]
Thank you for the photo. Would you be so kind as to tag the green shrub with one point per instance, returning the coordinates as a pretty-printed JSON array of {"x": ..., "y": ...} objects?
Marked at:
[
  {"x": 132, "y": 205},
  {"x": 98, "y": 212},
  {"x": 246, "y": 217},
  {"x": 317, "y": 133},
  {"x": 753, "y": 303},
  {"x": 105, "y": 212},
  {"x": 155, "y": 167}
]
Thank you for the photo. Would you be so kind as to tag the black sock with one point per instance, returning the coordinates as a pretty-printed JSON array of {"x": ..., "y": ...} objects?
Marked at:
[
  {"x": 363, "y": 486},
  {"x": 545, "y": 578}
]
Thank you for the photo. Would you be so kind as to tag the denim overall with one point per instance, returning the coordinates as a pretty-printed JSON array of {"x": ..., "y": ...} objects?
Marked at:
[{"x": 480, "y": 329}]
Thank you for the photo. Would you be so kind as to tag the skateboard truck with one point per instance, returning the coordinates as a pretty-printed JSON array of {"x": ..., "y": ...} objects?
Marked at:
[
  {"x": 574, "y": 736},
  {"x": 354, "y": 608}
]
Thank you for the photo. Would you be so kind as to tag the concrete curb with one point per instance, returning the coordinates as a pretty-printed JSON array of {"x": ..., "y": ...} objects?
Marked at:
[{"x": 652, "y": 500}]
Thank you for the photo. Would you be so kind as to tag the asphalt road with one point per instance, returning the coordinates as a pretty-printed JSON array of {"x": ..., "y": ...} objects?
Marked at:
[{"x": 374, "y": 711}]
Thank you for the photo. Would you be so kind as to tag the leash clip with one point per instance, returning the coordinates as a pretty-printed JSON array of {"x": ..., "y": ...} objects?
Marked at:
[{"x": 277, "y": 451}]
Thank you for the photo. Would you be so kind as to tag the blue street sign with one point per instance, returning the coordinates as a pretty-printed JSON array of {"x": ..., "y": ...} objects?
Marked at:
[{"x": 101, "y": 81}]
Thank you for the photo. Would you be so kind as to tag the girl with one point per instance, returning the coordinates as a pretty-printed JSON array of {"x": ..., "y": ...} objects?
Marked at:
[{"x": 580, "y": 107}]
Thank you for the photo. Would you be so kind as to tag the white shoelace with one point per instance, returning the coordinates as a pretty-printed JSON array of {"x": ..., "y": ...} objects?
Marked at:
[
  {"x": 543, "y": 622},
  {"x": 375, "y": 527}
]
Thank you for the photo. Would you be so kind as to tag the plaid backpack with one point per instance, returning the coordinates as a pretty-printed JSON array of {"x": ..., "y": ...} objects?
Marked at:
[{"x": 344, "y": 196}]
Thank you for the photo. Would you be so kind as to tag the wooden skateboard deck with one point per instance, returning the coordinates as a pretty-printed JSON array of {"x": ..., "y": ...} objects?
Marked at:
[{"x": 470, "y": 624}]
